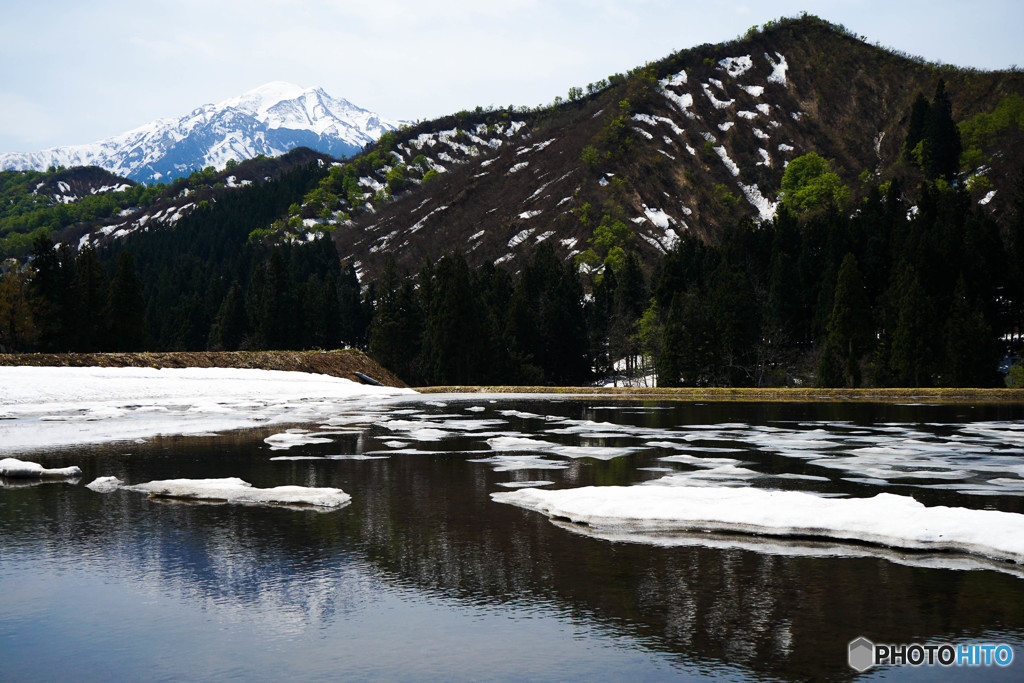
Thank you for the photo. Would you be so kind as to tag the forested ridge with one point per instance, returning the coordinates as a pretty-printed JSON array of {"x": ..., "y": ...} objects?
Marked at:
[{"x": 903, "y": 276}]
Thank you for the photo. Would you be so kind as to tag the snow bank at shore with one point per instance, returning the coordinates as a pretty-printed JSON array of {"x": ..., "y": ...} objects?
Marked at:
[{"x": 43, "y": 407}]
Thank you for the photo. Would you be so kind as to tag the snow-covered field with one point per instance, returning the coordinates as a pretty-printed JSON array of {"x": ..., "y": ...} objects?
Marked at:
[{"x": 43, "y": 407}]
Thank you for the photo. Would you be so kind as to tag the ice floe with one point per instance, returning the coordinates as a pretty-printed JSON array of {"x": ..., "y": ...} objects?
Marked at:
[
  {"x": 229, "y": 490},
  {"x": 293, "y": 438},
  {"x": 21, "y": 469},
  {"x": 524, "y": 484},
  {"x": 885, "y": 519}
]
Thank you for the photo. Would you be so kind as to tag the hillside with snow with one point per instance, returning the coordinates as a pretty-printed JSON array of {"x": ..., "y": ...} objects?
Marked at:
[
  {"x": 692, "y": 144},
  {"x": 269, "y": 120}
]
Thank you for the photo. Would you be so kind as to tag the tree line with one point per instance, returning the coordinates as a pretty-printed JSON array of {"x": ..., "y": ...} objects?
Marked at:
[{"x": 904, "y": 291}]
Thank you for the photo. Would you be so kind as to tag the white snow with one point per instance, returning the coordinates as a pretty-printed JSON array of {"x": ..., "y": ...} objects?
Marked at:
[
  {"x": 518, "y": 167},
  {"x": 727, "y": 160},
  {"x": 658, "y": 217},
  {"x": 724, "y": 127},
  {"x": 683, "y": 102},
  {"x": 736, "y": 66},
  {"x": 779, "y": 68},
  {"x": 754, "y": 90},
  {"x": 719, "y": 104},
  {"x": 49, "y": 407},
  {"x": 230, "y": 490},
  {"x": 675, "y": 80},
  {"x": 987, "y": 198},
  {"x": 526, "y": 215},
  {"x": 520, "y": 237},
  {"x": 885, "y": 519},
  {"x": 785, "y": 148},
  {"x": 12, "y": 467}
]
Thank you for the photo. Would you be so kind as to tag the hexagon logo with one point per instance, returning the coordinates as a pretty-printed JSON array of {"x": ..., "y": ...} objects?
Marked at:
[{"x": 862, "y": 654}]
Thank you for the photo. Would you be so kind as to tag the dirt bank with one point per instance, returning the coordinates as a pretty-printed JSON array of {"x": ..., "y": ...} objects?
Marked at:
[{"x": 344, "y": 363}]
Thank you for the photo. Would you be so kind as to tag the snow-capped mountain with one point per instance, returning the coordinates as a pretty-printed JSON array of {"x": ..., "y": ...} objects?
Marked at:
[{"x": 269, "y": 120}]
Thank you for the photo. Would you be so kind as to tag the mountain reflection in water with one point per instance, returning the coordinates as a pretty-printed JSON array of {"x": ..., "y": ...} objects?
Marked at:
[{"x": 423, "y": 577}]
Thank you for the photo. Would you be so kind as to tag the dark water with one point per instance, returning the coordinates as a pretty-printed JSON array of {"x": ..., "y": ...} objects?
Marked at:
[{"x": 423, "y": 577}]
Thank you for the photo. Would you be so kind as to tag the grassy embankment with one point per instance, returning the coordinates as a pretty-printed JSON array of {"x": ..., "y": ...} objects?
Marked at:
[{"x": 756, "y": 394}]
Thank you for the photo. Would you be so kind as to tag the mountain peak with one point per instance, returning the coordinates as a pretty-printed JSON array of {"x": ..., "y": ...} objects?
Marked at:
[
  {"x": 268, "y": 120},
  {"x": 259, "y": 100}
]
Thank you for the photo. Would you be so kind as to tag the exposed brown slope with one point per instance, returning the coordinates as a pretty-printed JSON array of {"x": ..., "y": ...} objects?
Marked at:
[{"x": 342, "y": 363}]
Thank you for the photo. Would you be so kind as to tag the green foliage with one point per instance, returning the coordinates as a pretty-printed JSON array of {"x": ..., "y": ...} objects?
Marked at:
[
  {"x": 1015, "y": 378},
  {"x": 26, "y": 215},
  {"x": 809, "y": 184},
  {"x": 591, "y": 156},
  {"x": 430, "y": 175},
  {"x": 396, "y": 179},
  {"x": 982, "y": 133},
  {"x": 978, "y": 184},
  {"x": 725, "y": 198}
]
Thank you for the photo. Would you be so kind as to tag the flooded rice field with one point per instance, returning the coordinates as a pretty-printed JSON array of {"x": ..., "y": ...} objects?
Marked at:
[{"x": 441, "y": 567}]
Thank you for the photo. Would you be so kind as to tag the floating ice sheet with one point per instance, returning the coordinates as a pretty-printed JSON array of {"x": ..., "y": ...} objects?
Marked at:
[
  {"x": 230, "y": 490},
  {"x": 20, "y": 469},
  {"x": 885, "y": 519}
]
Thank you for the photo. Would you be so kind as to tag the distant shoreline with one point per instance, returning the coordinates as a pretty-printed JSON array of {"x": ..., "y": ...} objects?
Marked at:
[
  {"x": 796, "y": 394},
  {"x": 346, "y": 362}
]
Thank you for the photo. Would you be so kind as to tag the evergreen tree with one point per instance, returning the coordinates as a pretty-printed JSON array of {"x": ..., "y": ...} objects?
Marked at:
[
  {"x": 277, "y": 324},
  {"x": 126, "y": 308},
  {"x": 453, "y": 333},
  {"x": 942, "y": 138},
  {"x": 849, "y": 328},
  {"x": 230, "y": 329},
  {"x": 354, "y": 313},
  {"x": 396, "y": 332},
  {"x": 91, "y": 287},
  {"x": 911, "y": 356},
  {"x": 972, "y": 353},
  {"x": 17, "y": 325},
  {"x": 669, "y": 363},
  {"x": 53, "y": 295},
  {"x": 916, "y": 130},
  {"x": 736, "y": 323}
]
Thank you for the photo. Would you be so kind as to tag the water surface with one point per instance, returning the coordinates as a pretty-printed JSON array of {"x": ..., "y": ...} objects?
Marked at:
[{"x": 423, "y": 577}]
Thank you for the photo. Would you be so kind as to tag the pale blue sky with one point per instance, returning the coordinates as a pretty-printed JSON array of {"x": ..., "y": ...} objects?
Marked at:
[{"x": 76, "y": 72}]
